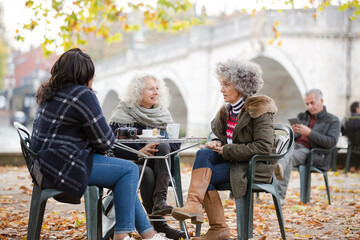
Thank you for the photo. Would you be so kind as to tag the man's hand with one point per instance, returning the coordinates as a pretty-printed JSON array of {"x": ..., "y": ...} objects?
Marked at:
[
  {"x": 213, "y": 145},
  {"x": 301, "y": 129},
  {"x": 149, "y": 149}
]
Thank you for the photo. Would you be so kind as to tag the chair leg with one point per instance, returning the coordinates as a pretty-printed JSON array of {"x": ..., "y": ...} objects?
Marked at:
[
  {"x": 36, "y": 216},
  {"x": 334, "y": 159},
  {"x": 305, "y": 183},
  {"x": 243, "y": 213},
  {"x": 347, "y": 161},
  {"x": 93, "y": 211},
  {"x": 198, "y": 230},
  {"x": 251, "y": 216},
  {"x": 279, "y": 214},
  {"x": 327, "y": 186}
]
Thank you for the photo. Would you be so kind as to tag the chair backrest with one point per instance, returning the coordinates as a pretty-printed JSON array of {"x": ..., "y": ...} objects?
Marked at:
[
  {"x": 284, "y": 138},
  {"x": 31, "y": 158}
]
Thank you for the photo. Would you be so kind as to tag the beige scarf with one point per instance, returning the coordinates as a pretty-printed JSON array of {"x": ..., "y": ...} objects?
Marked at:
[{"x": 126, "y": 114}]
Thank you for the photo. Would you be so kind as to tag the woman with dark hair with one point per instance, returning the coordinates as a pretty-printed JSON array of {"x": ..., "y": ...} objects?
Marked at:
[
  {"x": 144, "y": 106},
  {"x": 244, "y": 127},
  {"x": 70, "y": 135}
]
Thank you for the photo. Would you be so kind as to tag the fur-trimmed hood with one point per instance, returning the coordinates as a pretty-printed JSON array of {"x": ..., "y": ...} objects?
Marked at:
[{"x": 258, "y": 105}]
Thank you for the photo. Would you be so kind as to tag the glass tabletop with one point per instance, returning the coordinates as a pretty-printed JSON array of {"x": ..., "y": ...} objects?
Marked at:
[{"x": 161, "y": 140}]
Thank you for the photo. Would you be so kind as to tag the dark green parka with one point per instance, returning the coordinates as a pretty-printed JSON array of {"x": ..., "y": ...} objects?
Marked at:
[{"x": 253, "y": 134}]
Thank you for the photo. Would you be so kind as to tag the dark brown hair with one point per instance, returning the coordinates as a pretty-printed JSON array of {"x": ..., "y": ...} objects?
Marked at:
[
  {"x": 74, "y": 67},
  {"x": 354, "y": 106}
]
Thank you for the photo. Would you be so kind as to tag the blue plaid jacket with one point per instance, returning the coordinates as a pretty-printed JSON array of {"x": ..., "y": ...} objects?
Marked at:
[{"x": 66, "y": 132}]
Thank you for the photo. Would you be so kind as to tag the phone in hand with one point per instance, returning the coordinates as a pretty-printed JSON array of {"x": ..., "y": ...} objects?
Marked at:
[{"x": 293, "y": 121}]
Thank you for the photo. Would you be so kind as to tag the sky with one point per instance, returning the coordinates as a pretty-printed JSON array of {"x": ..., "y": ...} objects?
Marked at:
[{"x": 14, "y": 15}]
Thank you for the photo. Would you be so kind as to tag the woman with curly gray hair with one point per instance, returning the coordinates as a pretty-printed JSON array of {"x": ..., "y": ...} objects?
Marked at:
[
  {"x": 143, "y": 106},
  {"x": 243, "y": 127}
]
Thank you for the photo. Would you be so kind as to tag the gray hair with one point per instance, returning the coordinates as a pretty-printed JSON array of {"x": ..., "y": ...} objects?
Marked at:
[
  {"x": 246, "y": 77},
  {"x": 317, "y": 92},
  {"x": 133, "y": 93}
]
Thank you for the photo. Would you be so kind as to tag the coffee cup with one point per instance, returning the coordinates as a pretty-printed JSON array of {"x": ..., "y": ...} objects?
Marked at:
[
  {"x": 147, "y": 132},
  {"x": 173, "y": 130}
]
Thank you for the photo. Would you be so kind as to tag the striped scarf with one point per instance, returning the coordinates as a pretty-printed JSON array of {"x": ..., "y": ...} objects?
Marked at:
[{"x": 233, "y": 119}]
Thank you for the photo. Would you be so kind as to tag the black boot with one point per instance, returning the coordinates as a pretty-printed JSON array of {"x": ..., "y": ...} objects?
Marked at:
[
  {"x": 160, "y": 194},
  {"x": 171, "y": 233}
]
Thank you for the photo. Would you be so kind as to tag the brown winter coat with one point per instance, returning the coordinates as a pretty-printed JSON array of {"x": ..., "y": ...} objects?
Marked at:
[{"x": 253, "y": 134}]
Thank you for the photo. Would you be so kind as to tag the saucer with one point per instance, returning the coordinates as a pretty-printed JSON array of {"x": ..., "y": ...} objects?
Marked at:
[{"x": 149, "y": 138}]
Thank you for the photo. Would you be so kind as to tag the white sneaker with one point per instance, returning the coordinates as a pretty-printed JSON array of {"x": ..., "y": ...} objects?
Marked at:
[
  {"x": 158, "y": 237},
  {"x": 129, "y": 238}
]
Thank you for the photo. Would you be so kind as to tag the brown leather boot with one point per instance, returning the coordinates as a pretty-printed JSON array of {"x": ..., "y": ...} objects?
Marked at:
[
  {"x": 219, "y": 230},
  {"x": 200, "y": 179}
]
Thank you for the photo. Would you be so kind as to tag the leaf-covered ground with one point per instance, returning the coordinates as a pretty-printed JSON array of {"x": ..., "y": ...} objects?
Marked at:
[{"x": 315, "y": 220}]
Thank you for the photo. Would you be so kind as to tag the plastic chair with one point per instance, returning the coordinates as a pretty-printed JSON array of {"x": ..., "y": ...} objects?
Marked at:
[
  {"x": 176, "y": 173},
  {"x": 40, "y": 195},
  {"x": 353, "y": 147},
  {"x": 244, "y": 205},
  {"x": 305, "y": 174}
]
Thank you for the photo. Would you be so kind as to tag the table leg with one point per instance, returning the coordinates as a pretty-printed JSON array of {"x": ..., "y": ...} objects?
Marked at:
[
  {"x": 141, "y": 174},
  {"x": 182, "y": 223}
]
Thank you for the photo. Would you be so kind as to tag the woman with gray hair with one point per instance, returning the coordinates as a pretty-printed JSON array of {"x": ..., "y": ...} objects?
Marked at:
[
  {"x": 144, "y": 106},
  {"x": 243, "y": 127}
]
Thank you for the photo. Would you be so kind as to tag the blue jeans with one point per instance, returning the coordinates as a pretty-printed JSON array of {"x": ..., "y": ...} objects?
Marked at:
[
  {"x": 207, "y": 158},
  {"x": 122, "y": 177}
]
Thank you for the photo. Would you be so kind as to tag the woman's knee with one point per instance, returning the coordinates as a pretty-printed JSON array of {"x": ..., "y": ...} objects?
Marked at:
[
  {"x": 134, "y": 168},
  {"x": 204, "y": 158},
  {"x": 204, "y": 153},
  {"x": 164, "y": 148}
]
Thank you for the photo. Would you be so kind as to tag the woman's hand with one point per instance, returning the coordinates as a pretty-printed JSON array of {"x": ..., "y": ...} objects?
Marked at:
[
  {"x": 213, "y": 145},
  {"x": 220, "y": 150},
  {"x": 149, "y": 149}
]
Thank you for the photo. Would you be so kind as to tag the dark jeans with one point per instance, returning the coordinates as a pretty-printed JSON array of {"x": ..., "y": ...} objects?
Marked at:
[{"x": 207, "y": 158}]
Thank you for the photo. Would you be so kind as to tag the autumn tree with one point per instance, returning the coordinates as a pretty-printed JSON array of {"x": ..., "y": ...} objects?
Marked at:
[
  {"x": 72, "y": 21},
  {"x": 68, "y": 23}
]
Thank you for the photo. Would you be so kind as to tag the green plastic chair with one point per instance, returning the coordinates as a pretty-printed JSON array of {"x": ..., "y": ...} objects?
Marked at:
[
  {"x": 40, "y": 195},
  {"x": 353, "y": 147},
  {"x": 244, "y": 205},
  {"x": 305, "y": 174}
]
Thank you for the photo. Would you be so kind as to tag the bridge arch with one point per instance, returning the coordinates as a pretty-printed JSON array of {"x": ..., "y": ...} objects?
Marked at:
[
  {"x": 283, "y": 81},
  {"x": 179, "y": 104}
]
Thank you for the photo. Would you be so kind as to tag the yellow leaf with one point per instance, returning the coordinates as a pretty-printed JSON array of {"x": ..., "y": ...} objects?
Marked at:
[
  {"x": 253, "y": 13},
  {"x": 296, "y": 208}
]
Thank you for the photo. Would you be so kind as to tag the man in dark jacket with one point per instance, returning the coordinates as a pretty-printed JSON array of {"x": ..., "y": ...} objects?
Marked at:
[
  {"x": 352, "y": 122},
  {"x": 316, "y": 129}
]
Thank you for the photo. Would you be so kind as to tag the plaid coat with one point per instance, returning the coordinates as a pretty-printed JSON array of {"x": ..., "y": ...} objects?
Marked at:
[{"x": 66, "y": 132}]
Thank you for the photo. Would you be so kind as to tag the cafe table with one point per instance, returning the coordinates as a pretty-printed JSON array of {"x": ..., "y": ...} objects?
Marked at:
[{"x": 190, "y": 142}]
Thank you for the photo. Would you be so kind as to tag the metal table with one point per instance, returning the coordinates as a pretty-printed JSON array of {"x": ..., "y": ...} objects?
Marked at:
[{"x": 120, "y": 143}]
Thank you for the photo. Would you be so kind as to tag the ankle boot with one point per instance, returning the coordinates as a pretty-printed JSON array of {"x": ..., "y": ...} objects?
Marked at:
[
  {"x": 219, "y": 230},
  {"x": 160, "y": 194},
  {"x": 200, "y": 179},
  {"x": 171, "y": 233}
]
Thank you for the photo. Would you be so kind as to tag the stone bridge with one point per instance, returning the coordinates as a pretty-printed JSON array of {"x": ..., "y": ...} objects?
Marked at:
[{"x": 321, "y": 53}]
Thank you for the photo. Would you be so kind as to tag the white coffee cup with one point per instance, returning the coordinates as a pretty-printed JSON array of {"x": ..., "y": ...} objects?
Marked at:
[
  {"x": 147, "y": 132},
  {"x": 173, "y": 130}
]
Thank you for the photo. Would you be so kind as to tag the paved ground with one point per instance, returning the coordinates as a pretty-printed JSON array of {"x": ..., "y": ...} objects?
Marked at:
[{"x": 316, "y": 220}]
